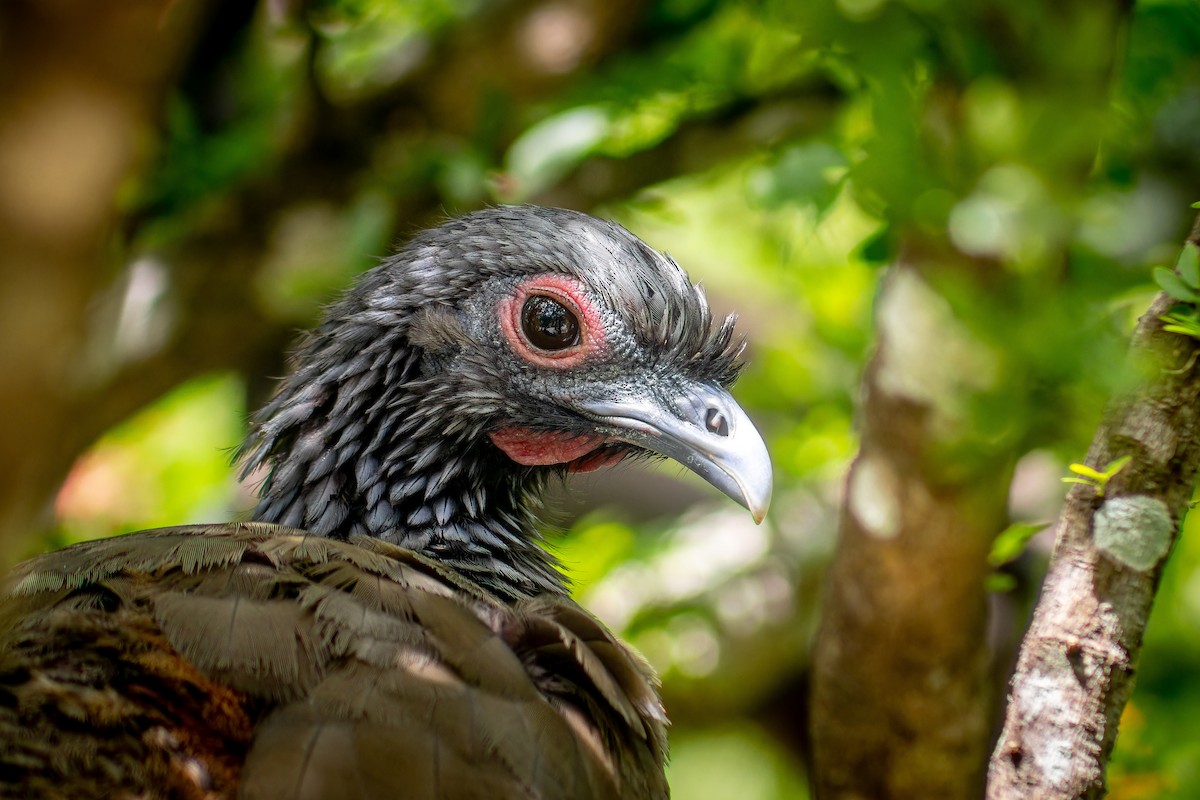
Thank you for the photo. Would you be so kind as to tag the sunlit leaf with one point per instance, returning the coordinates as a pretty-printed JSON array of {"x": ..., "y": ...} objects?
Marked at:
[
  {"x": 1084, "y": 481},
  {"x": 1116, "y": 466},
  {"x": 1087, "y": 472},
  {"x": 548, "y": 149}
]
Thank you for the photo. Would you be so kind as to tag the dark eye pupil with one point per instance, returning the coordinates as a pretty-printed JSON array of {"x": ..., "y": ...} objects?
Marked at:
[{"x": 548, "y": 324}]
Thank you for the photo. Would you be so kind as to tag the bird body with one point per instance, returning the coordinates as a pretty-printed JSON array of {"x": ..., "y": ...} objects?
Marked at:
[
  {"x": 390, "y": 625},
  {"x": 255, "y": 661}
]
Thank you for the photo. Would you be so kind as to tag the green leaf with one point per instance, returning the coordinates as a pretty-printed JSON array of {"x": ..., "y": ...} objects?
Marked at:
[
  {"x": 1087, "y": 472},
  {"x": 1011, "y": 542},
  {"x": 1173, "y": 285},
  {"x": 879, "y": 248},
  {"x": 1188, "y": 264},
  {"x": 1196, "y": 204},
  {"x": 1116, "y": 466},
  {"x": 1092, "y": 477},
  {"x": 806, "y": 174},
  {"x": 1084, "y": 481},
  {"x": 552, "y": 147},
  {"x": 1000, "y": 582},
  {"x": 1178, "y": 323}
]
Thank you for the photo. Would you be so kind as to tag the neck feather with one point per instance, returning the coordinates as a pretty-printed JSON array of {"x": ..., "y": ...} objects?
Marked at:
[{"x": 360, "y": 443}]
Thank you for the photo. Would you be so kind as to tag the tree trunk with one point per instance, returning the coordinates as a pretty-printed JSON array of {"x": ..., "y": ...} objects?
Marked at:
[
  {"x": 1077, "y": 663},
  {"x": 901, "y": 668}
]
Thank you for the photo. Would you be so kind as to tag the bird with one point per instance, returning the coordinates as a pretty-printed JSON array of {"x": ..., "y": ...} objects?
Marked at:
[{"x": 390, "y": 622}]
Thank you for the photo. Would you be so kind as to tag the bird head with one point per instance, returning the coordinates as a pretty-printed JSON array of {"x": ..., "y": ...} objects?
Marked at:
[{"x": 500, "y": 347}]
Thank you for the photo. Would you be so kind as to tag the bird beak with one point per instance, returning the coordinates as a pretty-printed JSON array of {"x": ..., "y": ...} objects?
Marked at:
[{"x": 702, "y": 428}]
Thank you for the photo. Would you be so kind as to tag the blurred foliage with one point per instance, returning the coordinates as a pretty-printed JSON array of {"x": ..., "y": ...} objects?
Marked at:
[
  {"x": 169, "y": 463},
  {"x": 732, "y": 761},
  {"x": 971, "y": 125}
]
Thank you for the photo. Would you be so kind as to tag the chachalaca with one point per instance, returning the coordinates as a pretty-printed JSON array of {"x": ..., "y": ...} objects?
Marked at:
[{"x": 390, "y": 625}]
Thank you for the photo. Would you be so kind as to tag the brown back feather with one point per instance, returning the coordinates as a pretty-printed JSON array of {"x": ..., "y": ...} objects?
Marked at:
[{"x": 254, "y": 661}]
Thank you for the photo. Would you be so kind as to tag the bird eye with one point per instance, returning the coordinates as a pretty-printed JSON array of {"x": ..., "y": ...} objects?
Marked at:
[{"x": 548, "y": 324}]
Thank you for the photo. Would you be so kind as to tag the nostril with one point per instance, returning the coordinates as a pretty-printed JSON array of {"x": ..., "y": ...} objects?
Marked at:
[{"x": 716, "y": 422}]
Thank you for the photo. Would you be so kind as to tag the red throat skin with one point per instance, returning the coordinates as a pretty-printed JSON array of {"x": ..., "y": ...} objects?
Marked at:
[{"x": 541, "y": 448}]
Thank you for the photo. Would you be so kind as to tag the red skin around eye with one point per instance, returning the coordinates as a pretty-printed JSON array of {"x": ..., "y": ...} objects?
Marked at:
[
  {"x": 540, "y": 448},
  {"x": 570, "y": 293}
]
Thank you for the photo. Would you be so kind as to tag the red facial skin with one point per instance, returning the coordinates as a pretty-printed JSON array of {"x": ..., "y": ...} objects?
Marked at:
[{"x": 540, "y": 448}]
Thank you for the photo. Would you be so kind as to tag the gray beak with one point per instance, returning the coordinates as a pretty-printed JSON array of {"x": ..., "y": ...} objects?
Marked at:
[{"x": 702, "y": 428}]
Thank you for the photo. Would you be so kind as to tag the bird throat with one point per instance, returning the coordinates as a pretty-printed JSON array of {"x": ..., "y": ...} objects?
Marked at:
[
  {"x": 532, "y": 448},
  {"x": 365, "y": 453}
]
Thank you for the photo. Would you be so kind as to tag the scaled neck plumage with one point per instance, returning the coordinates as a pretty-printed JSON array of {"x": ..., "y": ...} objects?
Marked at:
[{"x": 358, "y": 442}]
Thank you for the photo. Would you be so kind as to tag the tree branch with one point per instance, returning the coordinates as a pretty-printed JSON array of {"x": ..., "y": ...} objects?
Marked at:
[{"x": 1077, "y": 664}]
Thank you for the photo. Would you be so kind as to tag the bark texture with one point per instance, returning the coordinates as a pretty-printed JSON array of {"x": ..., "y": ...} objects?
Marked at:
[
  {"x": 901, "y": 669},
  {"x": 1077, "y": 663}
]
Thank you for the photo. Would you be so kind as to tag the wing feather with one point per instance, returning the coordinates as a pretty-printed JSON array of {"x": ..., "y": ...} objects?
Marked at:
[{"x": 258, "y": 661}]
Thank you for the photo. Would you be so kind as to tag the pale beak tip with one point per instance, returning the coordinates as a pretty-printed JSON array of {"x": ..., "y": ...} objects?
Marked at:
[{"x": 757, "y": 506}]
